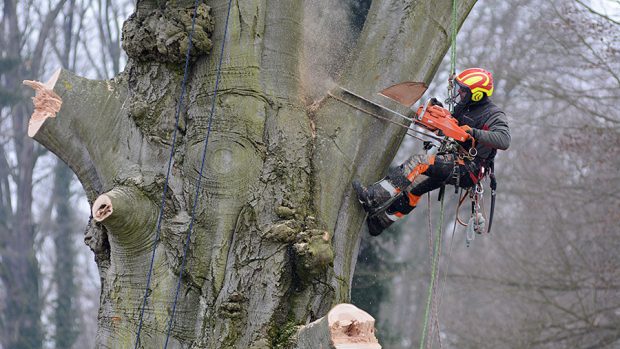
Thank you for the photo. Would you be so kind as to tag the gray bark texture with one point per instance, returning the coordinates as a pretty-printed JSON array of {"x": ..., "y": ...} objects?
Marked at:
[{"x": 277, "y": 228}]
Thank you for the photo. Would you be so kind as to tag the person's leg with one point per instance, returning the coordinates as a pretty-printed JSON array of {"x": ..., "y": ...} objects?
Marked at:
[
  {"x": 399, "y": 179},
  {"x": 416, "y": 176},
  {"x": 402, "y": 205}
]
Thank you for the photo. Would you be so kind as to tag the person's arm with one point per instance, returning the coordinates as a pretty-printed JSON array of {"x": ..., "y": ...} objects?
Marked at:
[{"x": 497, "y": 135}]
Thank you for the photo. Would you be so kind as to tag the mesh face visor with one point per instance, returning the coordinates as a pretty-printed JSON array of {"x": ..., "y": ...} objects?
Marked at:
[{"x": 461, "y": 93}]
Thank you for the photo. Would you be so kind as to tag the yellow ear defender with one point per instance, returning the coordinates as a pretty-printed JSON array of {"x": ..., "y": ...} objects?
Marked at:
[{"x": 477, "y": 96}]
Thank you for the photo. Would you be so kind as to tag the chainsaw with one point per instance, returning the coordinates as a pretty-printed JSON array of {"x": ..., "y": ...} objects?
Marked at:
[{"x": 406, "y": 94}]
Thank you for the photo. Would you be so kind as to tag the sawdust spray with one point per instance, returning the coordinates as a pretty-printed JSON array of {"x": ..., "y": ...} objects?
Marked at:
[{"x": 328, "y": 39}]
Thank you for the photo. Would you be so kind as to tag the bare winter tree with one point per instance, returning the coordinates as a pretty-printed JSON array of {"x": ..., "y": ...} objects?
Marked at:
[
  {"x": 544, "y": 279},
  {"x": 51, "y": 289},
  {"x": 276, "y": 230},
  {"x": 23, "y": 38}
]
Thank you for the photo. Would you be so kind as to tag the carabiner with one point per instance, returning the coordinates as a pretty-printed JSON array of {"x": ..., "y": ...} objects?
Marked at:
[{"x": 473, "y": 152}]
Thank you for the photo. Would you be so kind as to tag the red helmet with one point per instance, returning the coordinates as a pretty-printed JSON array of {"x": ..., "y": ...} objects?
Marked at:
[{"x": 478, "y": 81}]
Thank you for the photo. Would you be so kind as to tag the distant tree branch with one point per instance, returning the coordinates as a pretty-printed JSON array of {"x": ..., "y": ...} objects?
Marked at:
[
  {"x": 44, "y": 31},
  {"x": 593, "y": 11},
  {"x": 534, "y": 286}
]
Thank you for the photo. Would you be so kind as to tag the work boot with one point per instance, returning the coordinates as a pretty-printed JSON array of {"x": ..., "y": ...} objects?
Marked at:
[
  {"x": 378, "y": 223},
  {"x": 375, "y": 195}
]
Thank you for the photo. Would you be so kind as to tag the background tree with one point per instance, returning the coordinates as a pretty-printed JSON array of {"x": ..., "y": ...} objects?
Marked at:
[
  {"x": 51, "y": 300},
  {"x": 276, "y": 228},
  {"x": 18, "y": 155},
  {"x": 565, "y": 265},
  {"x": 542, "y": 280}
]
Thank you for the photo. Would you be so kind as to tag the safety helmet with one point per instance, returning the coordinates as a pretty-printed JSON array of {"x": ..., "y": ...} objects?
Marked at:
[{"x": 472, "y": 85}]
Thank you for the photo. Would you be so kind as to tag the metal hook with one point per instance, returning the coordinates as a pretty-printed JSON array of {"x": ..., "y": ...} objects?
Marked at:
[{"x": 473, "y": 152}]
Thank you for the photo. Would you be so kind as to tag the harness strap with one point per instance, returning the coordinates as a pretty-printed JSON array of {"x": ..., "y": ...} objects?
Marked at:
[{"x": 493, "y": 191}]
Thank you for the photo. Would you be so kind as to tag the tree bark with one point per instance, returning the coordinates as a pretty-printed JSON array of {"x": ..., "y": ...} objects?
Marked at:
[{"x": 276, "y": 229}]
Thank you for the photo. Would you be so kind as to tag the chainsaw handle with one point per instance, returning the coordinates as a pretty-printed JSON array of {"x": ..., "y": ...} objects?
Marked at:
[
  {"x": 421, "y": 114},
  {"x": 442, "y": 120}
]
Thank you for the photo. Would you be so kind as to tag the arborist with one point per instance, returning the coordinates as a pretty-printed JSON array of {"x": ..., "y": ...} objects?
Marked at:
[{"x": 487, "y": 127}]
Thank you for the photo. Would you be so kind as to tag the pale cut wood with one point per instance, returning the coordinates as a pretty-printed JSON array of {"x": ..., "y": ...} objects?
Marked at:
[
  {"x": 351, "y": 327},
  {"x": 345, "y": 327},
  {"x": 102, "y": 208},
  {"x": 46, "y": 102}
]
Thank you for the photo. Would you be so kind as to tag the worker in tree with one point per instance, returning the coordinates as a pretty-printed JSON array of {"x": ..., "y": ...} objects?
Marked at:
[{"x": 404, "y": 185}]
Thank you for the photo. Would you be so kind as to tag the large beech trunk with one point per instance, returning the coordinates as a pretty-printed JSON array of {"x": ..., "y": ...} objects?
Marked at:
[{"x": 277, "y": 229}]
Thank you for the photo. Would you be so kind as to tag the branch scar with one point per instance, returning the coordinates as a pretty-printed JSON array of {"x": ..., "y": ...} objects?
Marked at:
[{"x": 102, "y": 208}]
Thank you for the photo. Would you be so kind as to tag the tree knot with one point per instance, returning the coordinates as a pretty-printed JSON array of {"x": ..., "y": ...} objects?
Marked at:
[
  {"x": 313, "y": 253},
  {"x": 162, "y": 35}
]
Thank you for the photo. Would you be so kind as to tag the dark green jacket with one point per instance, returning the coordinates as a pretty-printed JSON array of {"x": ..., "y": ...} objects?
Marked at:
[{"x": 490, "y": 127}]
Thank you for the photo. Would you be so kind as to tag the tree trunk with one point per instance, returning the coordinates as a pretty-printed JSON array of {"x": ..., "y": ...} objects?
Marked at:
[
  {"x": 65, "y": 307},
  {"x": 276, "y": 228},
  {"x": 19, "y": 270}
]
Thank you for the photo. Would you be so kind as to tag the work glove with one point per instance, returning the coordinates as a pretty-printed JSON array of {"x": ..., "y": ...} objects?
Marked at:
[
  {"x": 435, "y": 101},
  {"x": 468, "y": 130}
]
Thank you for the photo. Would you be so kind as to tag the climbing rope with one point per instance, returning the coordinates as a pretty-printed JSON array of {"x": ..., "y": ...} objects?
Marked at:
[
  {"x": 434, "y": 320},
  {"x": 445, "y": 278},
  {"x": 437, "y": 242},
  {"x": 163, "y": 197},
  {"x": 452, "y": 74},
  {"x": 453, "y": 43},
  {"x": 434, "y": 269},
  {"x": 198, "y": 181}
]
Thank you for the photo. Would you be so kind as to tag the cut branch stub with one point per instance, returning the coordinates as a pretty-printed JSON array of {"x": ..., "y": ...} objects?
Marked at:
[
  {"x": 46, "y": 102},
  {"x": 350, "y": 326},
  {"x": 102, "y": 208},
  {"x": 127, "y": 213},
  {"x": 345, "y": 326}
]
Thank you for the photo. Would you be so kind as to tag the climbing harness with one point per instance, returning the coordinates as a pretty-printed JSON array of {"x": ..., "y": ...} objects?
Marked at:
[
  {"x": 163, "y": 202},
  {"x": 477, "y": 219}
]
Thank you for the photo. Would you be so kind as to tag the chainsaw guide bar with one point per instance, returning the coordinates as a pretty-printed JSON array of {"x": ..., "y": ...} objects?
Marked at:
[{"x": 406, "y": 94}]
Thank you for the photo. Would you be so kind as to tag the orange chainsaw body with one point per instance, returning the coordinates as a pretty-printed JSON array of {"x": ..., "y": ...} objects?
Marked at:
[
  {"x": 433, "y": 117},
  {"x": 437, "y": 118}
]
